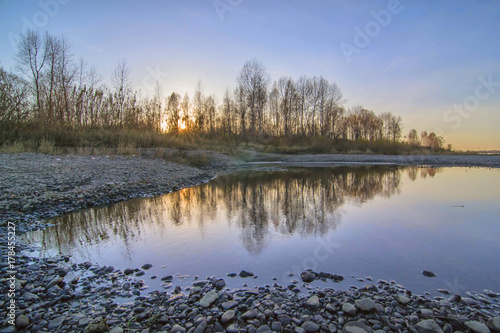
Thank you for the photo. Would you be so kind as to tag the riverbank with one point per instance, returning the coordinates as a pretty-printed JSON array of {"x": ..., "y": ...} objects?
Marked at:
[{"x": 59, "y": 295}]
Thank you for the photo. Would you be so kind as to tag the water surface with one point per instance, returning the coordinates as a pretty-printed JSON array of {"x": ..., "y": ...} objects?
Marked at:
[{"x": 379, "y": 221}]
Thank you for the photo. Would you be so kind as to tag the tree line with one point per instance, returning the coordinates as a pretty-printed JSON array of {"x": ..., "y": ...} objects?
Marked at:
[{"x": 50, "y": 88}]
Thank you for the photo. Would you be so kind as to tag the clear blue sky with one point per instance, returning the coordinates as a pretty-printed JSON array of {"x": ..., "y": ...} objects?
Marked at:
[{"x": 421, "y": 61}]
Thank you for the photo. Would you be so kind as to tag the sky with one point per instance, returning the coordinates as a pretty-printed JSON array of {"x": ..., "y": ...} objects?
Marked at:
[{"x": 435, "y": 63}]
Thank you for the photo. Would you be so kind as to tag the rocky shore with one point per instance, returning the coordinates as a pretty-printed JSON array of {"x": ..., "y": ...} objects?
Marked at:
[{"x": 58, "y": 295}]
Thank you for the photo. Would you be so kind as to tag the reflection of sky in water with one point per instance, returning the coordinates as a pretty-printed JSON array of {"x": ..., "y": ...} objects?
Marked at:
[{"x": 388, "y": 223}]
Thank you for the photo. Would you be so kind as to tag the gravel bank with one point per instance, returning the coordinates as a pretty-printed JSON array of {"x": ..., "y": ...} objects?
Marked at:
[
  {"x": 57, "y": 295},
  {"x": 37, "y": 186}
]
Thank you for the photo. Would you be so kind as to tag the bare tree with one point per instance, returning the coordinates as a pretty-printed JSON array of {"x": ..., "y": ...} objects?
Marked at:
[
  {"x": 253, "y": 80},
  {"x": 121, "y": 81},
  {"x": 31, "y": 58}
]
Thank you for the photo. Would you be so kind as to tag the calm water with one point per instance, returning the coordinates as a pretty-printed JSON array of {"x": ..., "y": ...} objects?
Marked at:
[{"x": 383, "y": 222}]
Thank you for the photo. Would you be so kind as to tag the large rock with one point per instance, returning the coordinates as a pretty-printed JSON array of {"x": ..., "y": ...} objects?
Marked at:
[
  {"x": 494, "y": 324},
  {"x": 310, "y": 326},
  {"x": 97, "y": 326},
  {"x": 22, "y": 322},
  {"x": 428, "y": 326},
  {"x": 428, "y": 274},
  {"x": 208, "y": 299},
  {"x": 402, "y": 299},
  {"x": 263, "y": 329},
  {"x": 244, "y": 274},
  {"x": 356, "y": 327},
  {"x": 227, "y": 316},
  {"x": 313, "y": 302},
  {"x": 308, "y": 276},
  {"x": 250, "y": 314},
  {"x": 349, "y": 309},
  {"x": 55, "y": 323},
  {"x": 177, "y": 329},
  {"x": 365, "y": 304},
  {"x": 477, "y": 327}
]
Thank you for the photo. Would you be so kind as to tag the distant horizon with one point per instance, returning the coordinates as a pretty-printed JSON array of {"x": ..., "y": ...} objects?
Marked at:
[{"x": 416, "y": 60}]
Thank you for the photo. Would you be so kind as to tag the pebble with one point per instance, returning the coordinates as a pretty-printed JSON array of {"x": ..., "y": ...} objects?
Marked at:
[
  {"x": 477, "y": 327},
  {"x": 356, "y": 327}
]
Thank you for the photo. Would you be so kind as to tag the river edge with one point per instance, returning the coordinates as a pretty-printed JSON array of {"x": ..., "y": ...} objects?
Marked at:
[{"x": 87, "y": 181}]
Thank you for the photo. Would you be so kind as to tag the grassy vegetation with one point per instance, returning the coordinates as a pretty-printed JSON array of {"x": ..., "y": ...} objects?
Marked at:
[{"x": 96, "y": 141}]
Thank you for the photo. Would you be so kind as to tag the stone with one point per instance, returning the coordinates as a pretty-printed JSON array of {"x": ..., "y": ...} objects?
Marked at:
[
  {"x": 55, "y": 323},
  {"x": 349, "y": 309},
  {"x": 97, "y": 326},
  {"x": 428, "y": 274},
  {"x": 250, "y": 314},
  {"x": 402, "y": 299},
  {"x": 494, "y": 324},
  {"x": 227, "y": 316},
  {"x": 147, "y": 266},
  {"x": 229, "y": 305},
  {"x": 308, "y": 276},
  {"x": 116, "y": 329},
  {"x": 201, "y": 327},
  {"x": 220, "y": 284},
  {"x": 128, "y": 271},
  {"x": 330, "y": 308},
  {"x": 263, "y": 329},
  {"x": 208, "y": 299},
  {"x": 245, "y": 274},
  {"x": 177, "y": 329},
  {"x": 284, "y": 319},
  {"x": 233, "y": 328},
  {"x": 365, "y": 304},
  {"x": 57, "y": 281},
  {"x": 428, "y": 326},
  {"x": 277, "y": 326},
  {"x": 477, "y": 327},
  {"x": 22, "y": 322},
  {"x": 310, "y": 326},
  {"x": 313, "y": 302},
  {"x": 356, "y": 327}
]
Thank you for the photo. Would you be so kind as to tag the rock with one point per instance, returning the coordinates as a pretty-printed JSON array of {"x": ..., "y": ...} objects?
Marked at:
[
  {"x": 313, "y": 302},
  {"x": 310, "y": 326},
  {"x": 365, "y": 304},
  {"x": 208, "y": 299},
  {"x": 201, "y": 327},
  {"x": 277, "y": 326},
  {"x": 494, "y": 324},
  {"x": 97, "y": 326},
  {"x": 22, "y": 322},
  {"x": 263, "y": 329},
  {"x": 233, "y": 328},
  {"x": 402, "y": 299},
  {"x": 177, "y": 329},
  {"x": 284, "y": 319},
  {"x": 227, "y": 316},
  {"x": 126, "y": 286},
  {"x": 55, "y": 323},
  {"x": 128, "y": 271},
  {"x": 249, "y": 315},
  {"x": 63, "y": 271},
  {"x": 428, "y": 274},
  {"x": 356, "y": 327},
  {"x": 477, "y": 327},
  {"x": 349, "y": 309},
  {"x": 220, "y": 284},
  {"x": 231, "y": 274},
  {"x": 428, "y": 326},
  {"x": 330, "y": 308},
  {"x": 245, "y": 274},
  {"x": 116, "y": 329},
  {"x": 455, "y": 298},
  {"x": 308, "y": 276},
  {"x": 57, "y": 281},
  {"x": 229, "y": 305},
  {"x": 200, "y": 283},
  {"x": 444, "y": 291},
  {"x": 147, "y": 266}
]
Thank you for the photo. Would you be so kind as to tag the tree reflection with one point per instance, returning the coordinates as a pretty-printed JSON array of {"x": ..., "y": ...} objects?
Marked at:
[{"x": 301, "y": 202}]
